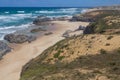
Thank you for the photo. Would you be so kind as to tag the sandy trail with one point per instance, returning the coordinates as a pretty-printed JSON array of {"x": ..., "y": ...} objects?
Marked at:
[{"x": 11, "y": 64}]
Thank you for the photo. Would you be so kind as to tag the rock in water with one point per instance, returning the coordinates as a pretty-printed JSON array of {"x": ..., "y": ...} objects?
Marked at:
[
  {"x": 4, "y": 48},
  {"x": 16, "y": 38},
  {"x": 20, "y": 38},
  {"x": 41, "y": 20}
]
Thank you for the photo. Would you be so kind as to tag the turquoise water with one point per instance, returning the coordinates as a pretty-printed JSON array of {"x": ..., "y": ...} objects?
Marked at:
[{"x": 12, "y": 19}]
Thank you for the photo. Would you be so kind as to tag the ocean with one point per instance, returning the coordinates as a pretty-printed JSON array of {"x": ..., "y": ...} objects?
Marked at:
[{"x": 16, "y": 18}]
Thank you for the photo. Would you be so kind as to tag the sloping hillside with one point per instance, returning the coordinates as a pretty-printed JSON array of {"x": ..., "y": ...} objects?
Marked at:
[{"x": 88, "y": 57}]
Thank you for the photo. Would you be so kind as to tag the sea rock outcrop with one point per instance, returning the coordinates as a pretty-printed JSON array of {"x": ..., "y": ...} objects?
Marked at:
[
  {"x": 64, "y": 18},
  {"x": 4, "y": 48},
  {"x": 41, "y": 20},
  {"x": 35, "y": 30},
  {"x": 81, "y": 28},
  {"x": 89, "y": 30},
  {"x": 82, "y": 18},
  {"x": 20, "y": 38}
]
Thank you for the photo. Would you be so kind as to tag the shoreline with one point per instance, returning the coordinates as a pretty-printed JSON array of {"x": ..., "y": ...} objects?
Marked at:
[{"x": 12, "y": 63}]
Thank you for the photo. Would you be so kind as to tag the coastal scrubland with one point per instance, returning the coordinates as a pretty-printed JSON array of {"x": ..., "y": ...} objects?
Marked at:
[
  {"x": 104, "y": 22},
  {"x": 95, "y": 55}
]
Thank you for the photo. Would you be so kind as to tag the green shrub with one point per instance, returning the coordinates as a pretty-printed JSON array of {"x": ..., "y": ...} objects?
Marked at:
[
  {"x": 57, "y": 54},
  {"x": 61, "y": 57},
  {"x": 102, "y": 51},
  {"x": 118, "y": 50}
]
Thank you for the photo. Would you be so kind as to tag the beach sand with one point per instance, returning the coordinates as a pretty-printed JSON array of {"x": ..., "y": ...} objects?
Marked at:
[{"x": 12, "y": 63}]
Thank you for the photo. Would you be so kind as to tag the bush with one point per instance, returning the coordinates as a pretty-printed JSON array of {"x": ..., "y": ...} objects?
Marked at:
[
  {"x": 118, "y": 50},
  {"x": 107, "y": 44},
  {"x": 102, "y": 51},
  {"x": 61, "y": 57},
  {"x": 110, "y": 37},
  {"x": 57, "y": 54}
]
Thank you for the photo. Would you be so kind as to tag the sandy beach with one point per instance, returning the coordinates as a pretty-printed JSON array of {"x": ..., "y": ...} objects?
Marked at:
[{"x": 12, "y": 63}]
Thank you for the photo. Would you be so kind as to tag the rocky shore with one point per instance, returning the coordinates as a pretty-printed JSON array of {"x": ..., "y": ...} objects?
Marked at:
[
  {"x": 4, "y": 49},
  {"x": 41, "y": 26},
  {"x": 38, "y": 26}
]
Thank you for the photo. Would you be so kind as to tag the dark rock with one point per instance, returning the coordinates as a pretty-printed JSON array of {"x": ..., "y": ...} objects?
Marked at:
[
  {"x": 82, "y": 18},
  {"x": 16, "y": 38},
  {"x": 89, "y": 30},
  {"x": 31, "y": 38},
  {"x": 37, "y": 30},
  {"x": 61, "y": 18},
  {"x": 20, "y": 38},
  {"x": 41, "y": 20},
  {"x": 4, "y": 48},
  {"x": 81, "y": 28},
  {"x": 49, "y": 33}
]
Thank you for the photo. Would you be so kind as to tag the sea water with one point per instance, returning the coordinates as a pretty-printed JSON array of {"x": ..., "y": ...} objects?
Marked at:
[{"x": 17, "y": 18}]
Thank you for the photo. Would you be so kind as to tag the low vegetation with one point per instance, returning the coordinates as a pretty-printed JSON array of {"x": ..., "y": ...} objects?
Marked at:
[
  {"x": 102, "y": 51},
  {"x": 68, "y": 60},
  {"x": 94, "y": 65},
  {"x": 107, "y": 22},
  {"x": 109, "y": 37}
]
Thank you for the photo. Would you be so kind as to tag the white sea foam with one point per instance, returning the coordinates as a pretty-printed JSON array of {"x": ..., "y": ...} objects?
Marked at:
[
  {"x": 15, "y": 27},
  {"x": 57, "y": 16},
  {"x": 69, "y": 10},
  {"x": 22, "y": 16},
  {"x": 14, "y": 17},
  {"x": 6, "y": 12},
  {"x": 20, "y": 11},
  {"x": 84, "y": 10},
  {"x": 11, "y": 29},
  {"x": 6, "y": 17},
  {"x": 45, "y": 11},
  {"x": 53, "y": 12}
]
